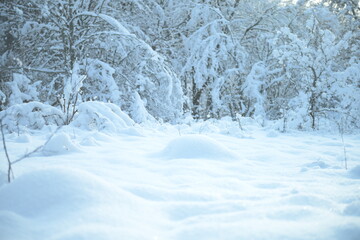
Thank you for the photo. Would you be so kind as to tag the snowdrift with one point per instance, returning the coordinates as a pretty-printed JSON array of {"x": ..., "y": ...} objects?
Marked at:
[
  {"x": 61, "y": 203},
  {"x": 50, "y": 191}
]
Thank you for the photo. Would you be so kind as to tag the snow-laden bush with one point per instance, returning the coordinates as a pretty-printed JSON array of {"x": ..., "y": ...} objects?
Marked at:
[
  {"x": 32, "y": 115},
  {"x": 19, "y": 90},
  {"x": 213, "y": 66},
  {"x": 22, "y": 90},
  {"x": 71, "y": 93},
  {"x": 90, "y": 116},
  {"x": 102, "y": 117}
]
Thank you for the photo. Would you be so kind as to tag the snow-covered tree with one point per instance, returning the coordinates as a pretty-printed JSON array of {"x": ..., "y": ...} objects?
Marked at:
[
  {"x": 214, "y": 61},
  {"x": 307, "y": 62},
  {"x": 50, "y": 37},
  {"x": 54, "y": 37},
  {"x": 208, "y": 57},
  {"x": 269, "y": 59}
]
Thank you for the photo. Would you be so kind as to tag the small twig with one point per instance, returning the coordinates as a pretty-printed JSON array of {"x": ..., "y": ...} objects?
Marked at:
[
  {"x": 343, "y": 142},
  {"x": 341, "y": 130},
  {"x": 10, "y": 172},
  {"x": 36, "y": 149}
]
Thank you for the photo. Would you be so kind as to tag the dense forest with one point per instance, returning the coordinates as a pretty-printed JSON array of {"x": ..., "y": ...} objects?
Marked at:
[
  {"x": 292, "y": 62},
  {"x": 180, "y": 119}
]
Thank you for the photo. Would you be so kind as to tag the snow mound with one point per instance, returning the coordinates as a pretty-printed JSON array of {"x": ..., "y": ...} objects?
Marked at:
[
  {"x": 60, "y": 144},
  {"x": 355, "y": 172},
  {"x": 24, "y": 138},
  {"x": 50, "y": 190},
  {"x": 196, "y": 146},
  {"x": 101, "y": 116},
  {"x": 65, "y": 203}
]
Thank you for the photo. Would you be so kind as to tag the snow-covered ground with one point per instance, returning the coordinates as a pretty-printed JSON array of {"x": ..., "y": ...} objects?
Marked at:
[{"x": 196, "y": 181}]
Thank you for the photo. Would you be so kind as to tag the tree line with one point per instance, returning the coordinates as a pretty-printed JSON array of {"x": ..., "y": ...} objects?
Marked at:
[{"x": 296, "y": 63}]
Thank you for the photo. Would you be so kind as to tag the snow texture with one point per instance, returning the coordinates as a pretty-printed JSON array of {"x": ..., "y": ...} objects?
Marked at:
[{"x": 176, "y": 182}]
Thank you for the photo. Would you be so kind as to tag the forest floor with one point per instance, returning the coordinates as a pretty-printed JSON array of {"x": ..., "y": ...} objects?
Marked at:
[{"x": 197, "y": 181}]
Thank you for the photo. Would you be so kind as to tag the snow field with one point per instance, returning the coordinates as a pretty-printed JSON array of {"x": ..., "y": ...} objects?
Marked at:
[{"x": 182, "y": 182}]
